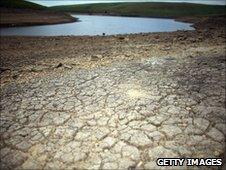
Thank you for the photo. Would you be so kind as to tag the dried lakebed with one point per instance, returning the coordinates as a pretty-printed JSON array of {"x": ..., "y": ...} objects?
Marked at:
[
  {"x": 116, "y": 117},
  {"x": 125, "y": 101}
]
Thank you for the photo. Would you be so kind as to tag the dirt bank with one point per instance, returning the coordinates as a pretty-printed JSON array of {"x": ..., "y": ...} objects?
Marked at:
[{"x": 26, "y": 17}]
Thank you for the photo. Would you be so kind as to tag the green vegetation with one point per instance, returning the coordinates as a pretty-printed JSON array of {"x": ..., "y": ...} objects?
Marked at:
[
  {"x": 20, "y": 4},
  {"x": 148, "y": 9}
]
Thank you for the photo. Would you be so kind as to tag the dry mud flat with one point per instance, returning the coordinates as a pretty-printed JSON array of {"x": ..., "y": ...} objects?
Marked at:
[{"x": 113, "y": 102}]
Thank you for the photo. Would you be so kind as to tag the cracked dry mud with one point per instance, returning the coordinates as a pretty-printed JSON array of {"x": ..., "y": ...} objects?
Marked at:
[
  {"x": 115, "y": 117},
  {"x": 119, "y": 116}
]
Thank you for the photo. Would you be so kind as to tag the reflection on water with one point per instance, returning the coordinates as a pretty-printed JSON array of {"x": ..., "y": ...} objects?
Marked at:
[{"x": 97, "y": 25}]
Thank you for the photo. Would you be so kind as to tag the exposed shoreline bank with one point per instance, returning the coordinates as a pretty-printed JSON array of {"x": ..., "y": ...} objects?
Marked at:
[
  {"x": 68, "y": 18},
  {"x": 209, "y": 30},
  {"x": 28, "y": 17}
]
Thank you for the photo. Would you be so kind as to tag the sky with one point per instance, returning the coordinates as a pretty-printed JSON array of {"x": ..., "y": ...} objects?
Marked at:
[{"x": 70, "y": 2}]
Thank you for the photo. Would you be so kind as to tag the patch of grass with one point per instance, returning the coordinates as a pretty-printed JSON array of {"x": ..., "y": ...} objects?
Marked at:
[
  {"x": 146, "y": 9},
  {"x": 20, "y": 4}
]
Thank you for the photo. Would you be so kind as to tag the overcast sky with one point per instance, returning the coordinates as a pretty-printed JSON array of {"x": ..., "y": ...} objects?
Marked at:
[{"x": 70, "y": 2}]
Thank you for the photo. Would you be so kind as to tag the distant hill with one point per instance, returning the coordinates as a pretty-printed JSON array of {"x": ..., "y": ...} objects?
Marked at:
[
  {"x": 23, "y": 13},
  {"x": 20, "y": 4},
  {"x": 149, "y": 9}
]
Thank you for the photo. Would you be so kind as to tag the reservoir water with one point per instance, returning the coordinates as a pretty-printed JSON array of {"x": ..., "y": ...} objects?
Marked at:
[{"x": 97, "y": 25}]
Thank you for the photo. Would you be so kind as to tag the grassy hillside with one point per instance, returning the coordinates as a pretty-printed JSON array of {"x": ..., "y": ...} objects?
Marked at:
[
  {"x": 150, "y": 9},
  {"x": 20, "y": 4},
  {"x": 23, "y": 13}
]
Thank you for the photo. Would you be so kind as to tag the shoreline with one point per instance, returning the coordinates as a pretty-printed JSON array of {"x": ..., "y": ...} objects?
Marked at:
[
  {"x": 27, "y": 17},
  {"x": 182, "y": 19},
  {"x": 36, "y": 24},
  {"x": 204, "y": 30},
  {"x": 142, "y": 16},
  {"x": 185, "y": 19},
  {"x": 74, "y": 19}
]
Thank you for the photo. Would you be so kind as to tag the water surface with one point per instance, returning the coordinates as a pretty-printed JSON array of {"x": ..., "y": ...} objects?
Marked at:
[{"x": 97, "y": 25}]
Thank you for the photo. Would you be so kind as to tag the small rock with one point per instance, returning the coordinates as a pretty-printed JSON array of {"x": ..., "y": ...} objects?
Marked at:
[
  {"x": 182, "y": 38},
  {"x": 15, "y": 76},
  {"x": 133, "y": 167},
  {"x": 166, "y": 49},
  {"x": 157, "y": 37},
  {"x": 139, "y": 164},
  {"x": 190, "y": 56},
  {"x": 121, "y": 38},
  {"x": 59, "y": 65},
  {"x": 200, "y": 38},
  {"x": 3, "y": 69},
  {"x": 96, "y": 57},
  {"x": 193, "y": 40},
  {"x": 169, "y": 58},
  {"x": 188, "y": 108},
  {"x": 67, "y": 66}
]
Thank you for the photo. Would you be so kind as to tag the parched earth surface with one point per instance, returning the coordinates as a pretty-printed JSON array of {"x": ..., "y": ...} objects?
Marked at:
[{"x": 114, "y": 102}]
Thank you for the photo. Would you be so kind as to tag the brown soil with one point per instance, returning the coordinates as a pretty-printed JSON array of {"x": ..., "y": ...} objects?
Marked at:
[
  {"x": 18, "y": 17},
  {"x": 113, "y": 102}
]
